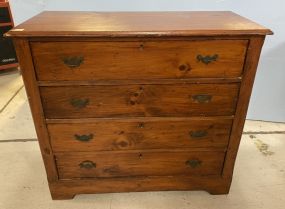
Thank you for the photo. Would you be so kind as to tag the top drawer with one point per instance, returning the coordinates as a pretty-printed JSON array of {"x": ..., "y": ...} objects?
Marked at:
[{"x": 138, "y": 60}]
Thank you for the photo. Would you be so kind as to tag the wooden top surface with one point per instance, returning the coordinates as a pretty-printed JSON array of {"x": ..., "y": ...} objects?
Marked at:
[{"x": 137, "y": 24}]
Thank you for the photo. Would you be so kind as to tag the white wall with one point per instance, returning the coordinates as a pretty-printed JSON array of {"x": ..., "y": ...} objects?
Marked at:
[{"x": 268, "y": 99}]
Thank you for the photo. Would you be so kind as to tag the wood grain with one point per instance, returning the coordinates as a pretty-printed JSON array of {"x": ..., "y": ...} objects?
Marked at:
[
  {"x": 66, "y": 189},
  {"x": 145, "y": 133},
  {"x": 138, "y": 163},
  {"x": 147, "y": 60},
  {"x": 139, "y": 100},
  {"x": 143, "y": 24},
  {"x": 139, "y": 93},
  {"x": 29, "y": 78},
  {"x": 140, "y": 81},
  {"x": 252, "y": 59}
]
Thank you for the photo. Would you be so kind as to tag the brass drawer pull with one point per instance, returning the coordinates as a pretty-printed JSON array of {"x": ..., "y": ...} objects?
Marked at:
[
  {"x": 207, "y": 59},
  {"x": 87, "y": 164},
  {"x": 198, "y": 134},
  {"x": 83, "y": 138},
  {"x": 193, "y": 163},
  {"x": 73, "y": 62},
  {"x": 79, "y": 103},
  {"x": 202, "y": 98}
]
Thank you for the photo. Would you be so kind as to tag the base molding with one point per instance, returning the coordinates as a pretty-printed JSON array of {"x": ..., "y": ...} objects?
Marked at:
[{"x": 67, "y": 189}]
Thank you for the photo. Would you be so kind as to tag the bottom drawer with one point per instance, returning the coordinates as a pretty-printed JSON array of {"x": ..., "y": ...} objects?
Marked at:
[{"x": 136, "y": 163}]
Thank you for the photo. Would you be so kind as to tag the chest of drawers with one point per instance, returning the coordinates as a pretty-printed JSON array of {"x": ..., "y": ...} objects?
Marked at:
[{"x": 138, "y": 101}]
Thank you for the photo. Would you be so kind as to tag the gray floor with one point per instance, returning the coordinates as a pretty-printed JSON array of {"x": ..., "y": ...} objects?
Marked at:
[{"x": 259, "y": 177}]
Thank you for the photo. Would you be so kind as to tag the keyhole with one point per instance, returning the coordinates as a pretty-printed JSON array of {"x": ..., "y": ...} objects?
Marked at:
[
  {"x": 140, "y": 156},
  {"x": 141, "y": 47}
]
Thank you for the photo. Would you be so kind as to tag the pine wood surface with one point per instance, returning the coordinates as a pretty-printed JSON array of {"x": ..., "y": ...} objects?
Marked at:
[
  {"x": 136, "y": 60},
  {"x": 138, "y": 163},
  {"x": 139, "y": 100},
  {"x": 140, "y": 111},
  {"x": 125, "y": 24},
  {"x": 143, "y": 133}
]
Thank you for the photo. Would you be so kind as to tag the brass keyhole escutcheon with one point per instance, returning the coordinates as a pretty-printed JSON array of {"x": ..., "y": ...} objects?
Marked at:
[
  {"x": 141, "y": 125},
  {"x": 141, "y": 47}
]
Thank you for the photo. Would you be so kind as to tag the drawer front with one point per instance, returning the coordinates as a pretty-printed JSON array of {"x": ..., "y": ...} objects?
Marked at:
[
  {"x": 137, "y": 60},
  {"x": 114, "y": 134},
  {"x": 139, "y": 100},
  {"x": 134, "y": 163}
]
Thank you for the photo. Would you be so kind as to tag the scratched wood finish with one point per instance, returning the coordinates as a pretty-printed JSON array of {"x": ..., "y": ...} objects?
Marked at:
[
  {"x": 144, "y": 133},
  {"x": 251, "y": 64},
  {"x": 141, "y": 81},
  {"x": 137, "y": 24},
  {"x": 139, "y": 100},
  {"x": 136, "y": 60},
  {"x": 124, "y": 95},
  {"x": 138, "y": 163},
  {"x": 24, "y": 56},
  {"x": 67, "y": 189}
]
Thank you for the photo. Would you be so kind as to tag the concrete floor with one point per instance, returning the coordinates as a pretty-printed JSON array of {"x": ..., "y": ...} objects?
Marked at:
[{"x": 259, "y": 177}]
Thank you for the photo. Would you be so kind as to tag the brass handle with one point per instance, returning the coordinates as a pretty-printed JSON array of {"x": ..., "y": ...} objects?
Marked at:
[
  {"x": 83, "y": 138},
  {"x": 198, "y": 134},
  {"x": 207, "y": 59},
  {"x": 73, "y": 62},
  {"x": 184, "y": 67},
  {"x": 202, "y": 98},
  {"x": 79, "y": 103},
  {"x": 193, "y": 163},
  {"x": 87, "y": 164}
]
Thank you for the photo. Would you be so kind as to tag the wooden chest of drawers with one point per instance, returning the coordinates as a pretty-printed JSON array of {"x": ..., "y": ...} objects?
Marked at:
[{"x": 138, "y": 101}]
